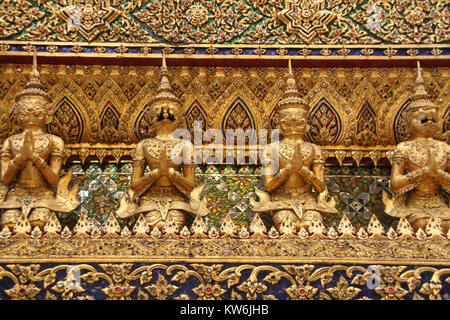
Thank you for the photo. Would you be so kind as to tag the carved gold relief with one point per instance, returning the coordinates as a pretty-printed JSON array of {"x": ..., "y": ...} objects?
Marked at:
[
  {"x": 229, "y": 22},
  {"x": 216, "y": 282},
  {"x": 346, "y": 91}
]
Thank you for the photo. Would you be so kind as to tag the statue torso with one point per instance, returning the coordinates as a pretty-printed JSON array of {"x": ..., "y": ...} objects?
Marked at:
[
  {"x": 152, "y": 149},
  {"x": 415, "y": 153},
  {"x": 286, "y": 152},
  {"x": 30, "y": 176}
]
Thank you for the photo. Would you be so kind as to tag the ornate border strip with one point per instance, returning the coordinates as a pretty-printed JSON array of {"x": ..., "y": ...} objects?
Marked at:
[
  {"x": 317, "y": 245},
  {"x": 164, "y": 281},
  {"x": 102, "y": 152},
  {"x": 199, "y": 51}
]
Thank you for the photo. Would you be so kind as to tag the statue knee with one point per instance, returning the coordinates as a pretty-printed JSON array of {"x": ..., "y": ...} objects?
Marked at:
[
  {"x": 155, "y": 220},
  {"x": 279, "y": 216},
  {"x": 10, "y": 217},
  {"x": 445, "y": 225},
  {"x": 39, "y": 217},
  {"x": 419, "y": 223}
]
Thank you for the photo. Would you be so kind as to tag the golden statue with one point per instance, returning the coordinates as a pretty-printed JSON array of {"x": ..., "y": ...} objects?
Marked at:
[
  {"x": 420, "y": 166},
  {"x": 301, "y": 167},
  {"x": 161, "y": 193},
  {"x": 31, "y": 161}
]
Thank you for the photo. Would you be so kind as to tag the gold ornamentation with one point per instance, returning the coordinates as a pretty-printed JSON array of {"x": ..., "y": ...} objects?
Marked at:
[
  {"x": 306, "y": 18},
  {"x": 31, "y": 162},
  {"x": 300, "y": 164},
  {"x": 161, "y": 193},
  {"x": 420, "y": 166},
  {"x": 302, "y": 281}
]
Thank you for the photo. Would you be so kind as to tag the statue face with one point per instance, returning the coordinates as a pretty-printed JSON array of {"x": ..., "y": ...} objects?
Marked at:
[
  {"x": 293, "y": 121},
  {"x": 424, "y": 122},
  {"x": 165, "y": 114},
  {"x": 32, "y": 111}
]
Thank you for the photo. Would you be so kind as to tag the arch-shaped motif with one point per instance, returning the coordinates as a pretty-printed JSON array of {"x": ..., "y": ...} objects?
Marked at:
[
  {"x": 446, "y": 121},
  {"x": 142, "y": 125},
  {"x": 401, "y": 129},
  {"x": 195, "y": 113},
  {"x": 109, "y": 123},
  {"x": 366, "y": 126},
  {"x": 446, "y": 126},
  {"x": 326, "y": 125},
  {"x": 272, "y": 120},
  {"x": 238, "y": 116},
  {"x": 67, "y": 122}
]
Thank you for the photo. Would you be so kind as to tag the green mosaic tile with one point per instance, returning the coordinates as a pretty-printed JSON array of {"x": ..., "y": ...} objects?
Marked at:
[{"x": 228, "y": 190}]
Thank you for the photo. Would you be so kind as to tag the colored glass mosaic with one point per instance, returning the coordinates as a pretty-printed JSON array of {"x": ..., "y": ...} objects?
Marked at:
[{"x": 228, "y": 190}]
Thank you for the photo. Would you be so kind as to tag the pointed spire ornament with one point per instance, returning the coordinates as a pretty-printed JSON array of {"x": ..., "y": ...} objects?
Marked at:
[
  {"x": 36, "y": 233},
  {"x": 125, "y": 233},
  {"x": 243, "y": 233},
  {"x": 112, "y": 227},
  {"x": 141, "y": 227},
  {"x": 420, "y": 98},
  {"x": 199, "y": 228},
  {"x": 34, "y": 87},
  {"x": 22, "y": 227},
  {"x": 66, "y": 233},
  {"x": 257, "y": 227},
  {"x": 420, "y": 234},
  {"x": 362, "y": 234},
  {"x": 185, "y": 233},
  {"x": 346, "y": 228},
  {"x": 303, "y": 234},
  {"x": 273, "y": 233},
  {"x": 332, "y": 234},
  {"x": 291, "y": 96},
  {"x": 213, "y": 233},
  {"x": 391, "y": 234},
  {"x": 434, "y": 228},
  {"x": 82, "y": 227},
  {"x": 287, "y": 228},
  {"x": 165, "y": 91},
  {"x": 52, "y": 226},
  {"x": 404, "y": 229},
  {"x": 227, "y": 228},
  {"x": 6, "y": 233},
  {"x": 375, "y": 228},
  {"x": 155, "y": 234}
]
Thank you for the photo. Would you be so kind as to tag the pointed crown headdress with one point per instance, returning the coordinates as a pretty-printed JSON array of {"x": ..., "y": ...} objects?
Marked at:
[
  {"x": 420, "y": 98},
  {"x": 34, "y": 87},
  {"x": 291, "y": 96},
  {"x": 165, "y": 91}
]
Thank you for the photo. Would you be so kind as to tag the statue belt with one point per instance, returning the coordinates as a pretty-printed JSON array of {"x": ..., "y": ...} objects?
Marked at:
[{"x": 294, "y": 191}]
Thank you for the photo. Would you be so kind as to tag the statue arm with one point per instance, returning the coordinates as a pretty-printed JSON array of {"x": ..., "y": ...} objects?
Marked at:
[
  {"x": 184, "y": 182},
  {"x": 273, "y": 181},
  {"x": 52, "y": 171},
  {"x": 400, "y": 182},
  {"x": 9, "y": 168},
  {"x": 443, "y": 176},
  {"x": 316, "y": 175},
  {"x": 140, "y": 182}
]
